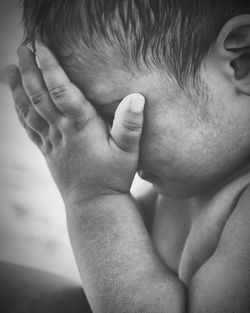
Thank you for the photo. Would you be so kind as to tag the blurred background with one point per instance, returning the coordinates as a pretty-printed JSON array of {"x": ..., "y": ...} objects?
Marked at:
[{"x": 32, "y": 218}]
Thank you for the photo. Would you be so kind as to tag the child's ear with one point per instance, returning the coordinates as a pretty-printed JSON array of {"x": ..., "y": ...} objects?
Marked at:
[{"x": 232, "y": 51}]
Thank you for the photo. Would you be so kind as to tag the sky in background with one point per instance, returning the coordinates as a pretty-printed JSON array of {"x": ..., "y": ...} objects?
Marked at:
[{"x": 32, "y": 218}]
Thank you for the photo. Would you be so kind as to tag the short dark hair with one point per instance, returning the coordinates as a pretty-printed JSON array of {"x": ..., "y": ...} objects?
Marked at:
[{"x": 176, "y": 34}]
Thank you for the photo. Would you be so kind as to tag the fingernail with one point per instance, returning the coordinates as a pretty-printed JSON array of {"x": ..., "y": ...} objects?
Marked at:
[{"x": 137, "y": 103}]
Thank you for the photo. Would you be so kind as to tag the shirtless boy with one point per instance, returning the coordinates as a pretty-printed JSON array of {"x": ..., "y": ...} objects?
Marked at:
[{"x": 175, "y": 77}]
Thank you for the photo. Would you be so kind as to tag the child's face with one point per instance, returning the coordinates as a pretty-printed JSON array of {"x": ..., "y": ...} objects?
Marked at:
[{"x": 188, "y": 145}]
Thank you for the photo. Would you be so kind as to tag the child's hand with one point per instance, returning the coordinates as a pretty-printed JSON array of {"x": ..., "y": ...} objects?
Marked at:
[{"x": 84, "y": 157}]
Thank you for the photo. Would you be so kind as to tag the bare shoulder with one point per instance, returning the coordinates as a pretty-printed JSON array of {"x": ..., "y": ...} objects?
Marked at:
[{"x": 223, "y": 282}]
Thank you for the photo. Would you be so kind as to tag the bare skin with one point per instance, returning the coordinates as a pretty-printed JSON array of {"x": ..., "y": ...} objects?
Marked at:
[
  {"x": 187, "y": 237},
  {"x": 78, "y": 146}
]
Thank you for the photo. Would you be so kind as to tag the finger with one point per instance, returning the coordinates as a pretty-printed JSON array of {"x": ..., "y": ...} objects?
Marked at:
[
  {"x": 35, "y": 87},
  {"x": 128, "y": 122},
  {"x": 26, "y": 113},
  {"x": 35, "y": 137},
  {"x": 66, "y": 96}
]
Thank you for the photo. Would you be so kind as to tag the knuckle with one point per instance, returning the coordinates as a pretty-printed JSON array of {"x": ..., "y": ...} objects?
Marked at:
[
  {"x": 55, "y": 135},
  {"x": 31, "y": 120},
  {"x": 58, "y": 92},
  {"x": 34, "y": 136},
  {"x": 22, "y": 109},
  {"x": 76, "y": 123},
  {"x": 82, "y": 121},
  {"x": 34, "y": 120},
  {"x": 37, "y": 96},
  {"x": 46, "y": 66},
  {"x": 47, "y": 147},
  {"x": 132, "y": 126}
]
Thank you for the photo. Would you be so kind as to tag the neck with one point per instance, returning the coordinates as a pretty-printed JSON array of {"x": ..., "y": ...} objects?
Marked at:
[{"x": 238, "y": 179}]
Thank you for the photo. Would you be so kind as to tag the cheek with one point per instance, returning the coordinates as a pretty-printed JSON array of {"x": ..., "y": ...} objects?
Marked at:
[
  {"x": 178, "y": 145},
  {"x": 185, "y": 146},
  {"x": 163, "y": 140}
]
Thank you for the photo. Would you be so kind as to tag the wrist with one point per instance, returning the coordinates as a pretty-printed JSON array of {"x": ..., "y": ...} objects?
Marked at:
[
  {"x": 80, "y": 196},
  {"x": 97, "y": 212}
]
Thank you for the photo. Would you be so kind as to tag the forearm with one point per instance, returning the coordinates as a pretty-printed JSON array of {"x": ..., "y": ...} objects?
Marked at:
[{"x": 119, "y": 267}]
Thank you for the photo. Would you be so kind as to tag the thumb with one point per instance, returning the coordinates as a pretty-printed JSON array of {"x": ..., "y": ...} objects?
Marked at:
[{"x": 128, "y": 122}]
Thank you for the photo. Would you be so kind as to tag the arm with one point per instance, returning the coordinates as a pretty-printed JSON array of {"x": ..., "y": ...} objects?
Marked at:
[
  {"x": 93, "y": 167},
  {"x": 129, "y": 263},
  {"x": 119, "y": 268}
]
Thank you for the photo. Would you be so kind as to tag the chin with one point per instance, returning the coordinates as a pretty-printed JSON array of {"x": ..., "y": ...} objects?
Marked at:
[{"x": 169, "y": 188}]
